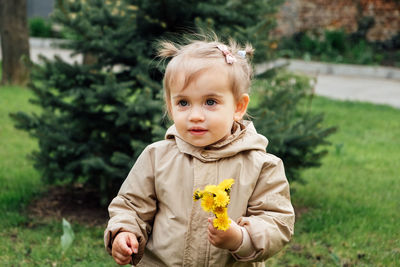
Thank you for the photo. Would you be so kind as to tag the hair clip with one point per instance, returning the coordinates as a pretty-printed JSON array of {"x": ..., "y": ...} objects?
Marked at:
[
  {"x": 228, "y": 55},
  {"x": 242, "y": 53}
]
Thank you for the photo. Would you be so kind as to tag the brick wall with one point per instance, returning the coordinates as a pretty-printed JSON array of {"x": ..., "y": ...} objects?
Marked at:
[{"x": 301, "y": 15}]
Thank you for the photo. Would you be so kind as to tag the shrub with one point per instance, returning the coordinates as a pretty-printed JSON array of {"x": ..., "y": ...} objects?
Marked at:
[
  {"x": 340, "y": 47},
  {"x": 39, "y": 27},
  {"x": 282, "y": 113}
]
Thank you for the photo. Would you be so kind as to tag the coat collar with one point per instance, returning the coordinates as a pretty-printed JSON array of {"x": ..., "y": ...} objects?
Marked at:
[{"x": 244, "y": 137}]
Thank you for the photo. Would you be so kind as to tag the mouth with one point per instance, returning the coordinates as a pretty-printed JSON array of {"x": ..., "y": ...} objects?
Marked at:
[{"x": 197, "y": 131}]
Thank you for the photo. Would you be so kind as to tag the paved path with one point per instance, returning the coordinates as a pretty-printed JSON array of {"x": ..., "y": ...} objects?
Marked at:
[
  {"x": 50, "y": 53},
  {"x": 379, "y": 85},
  {"x": 374, "y": 90}
]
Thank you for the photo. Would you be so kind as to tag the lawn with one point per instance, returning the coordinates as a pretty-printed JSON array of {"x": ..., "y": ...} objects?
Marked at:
[
  {"x": 18, "y": 180},
  {"x": 351, "y": 204},
  {"x": 348, "y": 207},
  {"x": 30, "y": 241}
]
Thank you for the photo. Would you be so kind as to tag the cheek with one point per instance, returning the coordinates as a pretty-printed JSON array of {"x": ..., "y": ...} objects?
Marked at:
[
  {"x": 178, "y": 118},
  {"x": 223, "y": 122}
]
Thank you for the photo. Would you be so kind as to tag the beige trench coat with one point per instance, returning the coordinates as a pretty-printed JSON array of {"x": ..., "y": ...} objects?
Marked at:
[{"x": 155, "y": 202}]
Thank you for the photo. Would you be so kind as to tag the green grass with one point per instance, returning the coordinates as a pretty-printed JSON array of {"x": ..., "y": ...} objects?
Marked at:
[
  {"x": 18, "y": 179},
  {"x": 352, "y": 202},
  {"x": 350, "y": 205},
  {"x": 27, "y": 242},
  {"x": 39, "y": 245}
]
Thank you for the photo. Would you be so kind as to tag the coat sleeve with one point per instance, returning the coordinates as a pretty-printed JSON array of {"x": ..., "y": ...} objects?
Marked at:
[
  {"x": 270, "y": 216},
  {"x": 133, "y": 209}
]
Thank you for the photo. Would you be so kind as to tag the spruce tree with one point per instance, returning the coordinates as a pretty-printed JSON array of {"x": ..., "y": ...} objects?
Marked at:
[{"x": 283, "y": 115}]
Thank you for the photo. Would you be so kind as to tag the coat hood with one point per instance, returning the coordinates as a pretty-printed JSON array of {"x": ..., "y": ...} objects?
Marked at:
[{"x": 244, "y": 137}]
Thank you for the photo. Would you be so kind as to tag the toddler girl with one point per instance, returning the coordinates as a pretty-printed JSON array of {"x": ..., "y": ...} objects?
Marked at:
[{"x": 154, "y": 220}]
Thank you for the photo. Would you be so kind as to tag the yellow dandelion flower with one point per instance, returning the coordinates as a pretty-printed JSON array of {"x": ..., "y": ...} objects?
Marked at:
[
  {"x": 221, "y": 198},
  {"x": 226, "y": 184},
  {"x": 220, "y": 211},
  {"x": 215, "y": 198},
  {"x": 207, "y": 202},
  {"x": 197, "y": 195},
  {"x": 222, "y": 223},
  {"x": 211, "y": 188}
]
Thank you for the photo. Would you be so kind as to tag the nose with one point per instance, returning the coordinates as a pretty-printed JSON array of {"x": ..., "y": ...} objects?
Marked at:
[{"x": 196, "y": 114}]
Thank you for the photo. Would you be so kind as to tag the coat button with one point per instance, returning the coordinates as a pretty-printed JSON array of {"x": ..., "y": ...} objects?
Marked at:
[{"x": 204, "y": 154}]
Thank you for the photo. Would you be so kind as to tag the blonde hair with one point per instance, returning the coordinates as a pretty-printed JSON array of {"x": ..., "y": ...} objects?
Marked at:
[{"x": 196, "y": 56}]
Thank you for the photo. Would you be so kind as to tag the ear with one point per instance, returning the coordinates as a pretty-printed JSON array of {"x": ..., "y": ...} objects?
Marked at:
[{"x": 241, "y": 107}]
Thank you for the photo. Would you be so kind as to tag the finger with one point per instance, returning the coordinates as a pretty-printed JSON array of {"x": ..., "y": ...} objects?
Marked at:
[
  {"x": 133, "y": 243},
  {"x": 211, "y": 240},
  {"x": 210, "y": 221},
  {"x": 126, "y": 250},
  {"x": 209, "y": 227},
  {"x": 123, "y": 248},
  {"x": 121, "y": 259},
  {"x": 212, "y": 229},
  {"x": 124, "y": 262},
  {"x": 119, "y": 255},
  {"x": 210, "y": 236}
]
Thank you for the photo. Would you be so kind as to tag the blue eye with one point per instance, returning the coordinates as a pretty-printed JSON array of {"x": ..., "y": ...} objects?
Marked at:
[
  {"x": 183, "y": 103},
  {"x": 210, "y": 102}
]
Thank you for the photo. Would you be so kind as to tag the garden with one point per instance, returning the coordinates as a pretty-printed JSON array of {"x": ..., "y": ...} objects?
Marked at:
[
  {"x": 347, "y": 209},
  {"x": 68, "y": 140}
]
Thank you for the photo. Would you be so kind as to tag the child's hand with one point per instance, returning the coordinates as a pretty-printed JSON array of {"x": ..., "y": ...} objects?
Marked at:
[
  {"x": 124, "y": 245},
  {"x": 229, "y": 239}
]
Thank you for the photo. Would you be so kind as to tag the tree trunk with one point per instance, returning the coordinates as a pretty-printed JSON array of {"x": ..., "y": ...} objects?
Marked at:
[{"x": 14, "y": 42}]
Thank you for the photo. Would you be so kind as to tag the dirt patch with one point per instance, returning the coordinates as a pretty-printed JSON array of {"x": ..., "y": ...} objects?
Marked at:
[{"x": 76, "y": 204}]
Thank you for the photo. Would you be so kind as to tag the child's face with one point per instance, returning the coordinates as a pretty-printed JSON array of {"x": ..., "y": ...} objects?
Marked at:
[{"x": 205, "y": 110}]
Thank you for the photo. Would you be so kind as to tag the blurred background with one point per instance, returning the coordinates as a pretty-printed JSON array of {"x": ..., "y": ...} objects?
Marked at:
[{"x": 81, "y": 97}]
